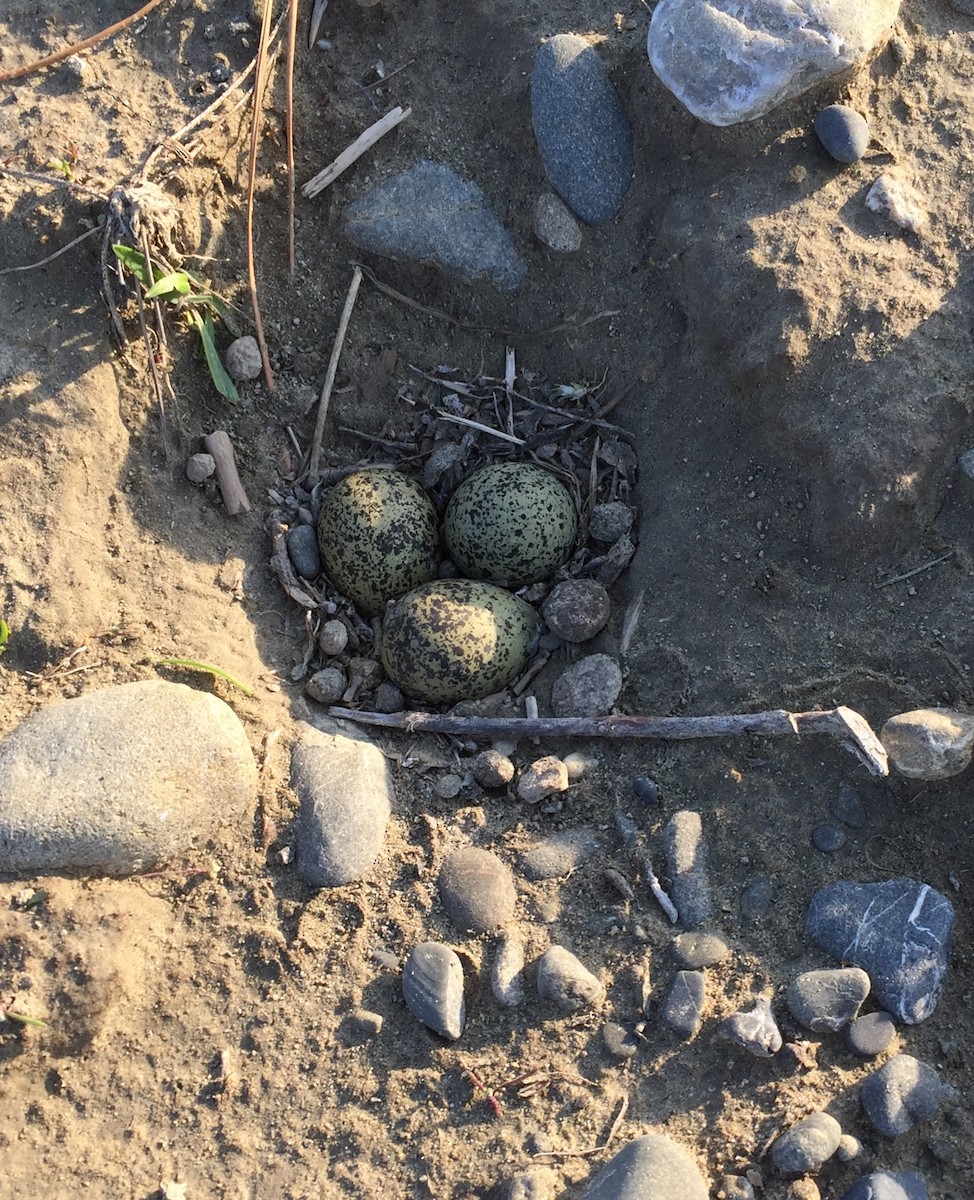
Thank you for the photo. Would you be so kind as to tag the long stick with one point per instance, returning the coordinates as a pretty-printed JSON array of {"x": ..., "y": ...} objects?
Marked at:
[
  {"x": 355, "y": 151},
  {"x": 292, "y": 38},
  {"x": 336, "y": 353},
  {"x": 67, "y": 51},
  {"x": 260, "y": 80},
  {"x": 839, "y": 722}
]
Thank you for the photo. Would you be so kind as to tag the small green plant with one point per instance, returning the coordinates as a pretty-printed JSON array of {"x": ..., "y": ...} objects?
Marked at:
[
  {"x": 4, "y": 634},
  {"x": 8, "y": 1014},
  {"x": 192, "y": 665},
  {"x": 185, "y": 294}
]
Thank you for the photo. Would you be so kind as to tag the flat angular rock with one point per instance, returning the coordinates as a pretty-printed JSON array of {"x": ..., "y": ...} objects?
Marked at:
[
  {"x": 686, "y": 862},
  {"x": 432, "y": 986},
  {"x": 507, "y": 975},
  {"x": 588, "y": 688},
  {"x": 650, "y": 1168},
  {"x": 682, "y": 1010},
  {"x": 729, "y": 61},
  {"x": 903, "y": 1093},
  {"x": 560, "y": 853},
  {"x": 929, "y": 743},
  {"x": 429, "y": 214},
  {"x": 121, "y": 780},
  {"x": 756, "y": 1031},
  {"x": 565, "y": 981},
  {"x": 898, "y": 932},
  {"x": 345, "y": 792},
  {"x": 582, "y": 129},
  {"x": 543, "y": 778},
  {"x": 889, "y": 1185},
  {"x": 698, "y": 949},
  {"x": 826, "y": 1001},
  {"x": 477, "y": 890},
  {"x": 807, "y": 1145}
]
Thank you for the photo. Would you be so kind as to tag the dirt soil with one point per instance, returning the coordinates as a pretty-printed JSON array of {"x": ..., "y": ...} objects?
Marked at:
[{"x": 800, "y": 373}]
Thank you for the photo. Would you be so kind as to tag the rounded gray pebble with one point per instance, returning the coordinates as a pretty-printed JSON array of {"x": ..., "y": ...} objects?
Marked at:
[
  {"x": 682, "y": 1009},
  {"x": 559, "y": 854},
  {"x": 388, "y": 698},
  {"x": 846, "y": 806},
  {"x": 610, "y": 521},
  {"x": 554, "y": 224},
  {"x": 327, "y": 686},
  {"x": 588, "y": 688},
  {"x": 619, "y": 1041},
  {"x": 901, "y": 1094},
  {"x": 566, "y": 982},
  {"x": 843, "y": 132},
  {"x": 447, "y": 787},
  {"x": 807, "y": 1145},
  {"x": 477, "y": 890},
  {"x": 757, "y": 900},
  {"x": 736, "y": 1187},
  {"x": 698, "y": 949},
  {"x": 889, "y": 1185},
  {"x": 826, "y": 1001},
  {"x": 828, "y": 838},
  {"x": 491, "y": 769},
  {"x": 432, "y": 986},
  {"x": 871, "y": 1035},
  {"x": 333, "y": 637},
  {"x": 577, "y": 609},
  {"x": 199, "y": 467},
  {"x": 302, "y": 550},
  {"x": 653, "y": 1167},
  {"x": 646, "y": 789},
  {"x": 850, "y": 1148},
  {"x": 242, "y": 359}
]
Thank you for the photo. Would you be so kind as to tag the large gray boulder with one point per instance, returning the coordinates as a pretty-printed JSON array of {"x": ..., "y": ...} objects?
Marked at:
[
  {"x": 734, "y": 60},
  {"x": 119, "y": 781}
]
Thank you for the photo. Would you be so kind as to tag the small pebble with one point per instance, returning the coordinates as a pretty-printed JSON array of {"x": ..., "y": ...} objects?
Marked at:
[
  {"x": 388, "y": 698},
  {"x": 542, "y": 779},
  {"x": 871, "y": 1035},
  {"x": 686, "y": 862},
  {"x": 199, "y": 467},
  {"x": 735, "y": 1187},
  {"x": 757, "y": 899},
  {"x": 302, "y": 550},
  {"x": 846, "y": 806},
  {"x": 619, "y": 1041},
  {"x": 929, "y": 743},
  {"x": 966, "y": 463},
  {"x": 577, "y": 609},
  {"x": 626, "y": 828},
  {"x": 620, "y": 883},
  {"x": 807, "y": 1145},
  {"x": 220, "y": 70},
  {"x": 554, "y": 224},
  {"x": 826, "y": 1001},
  {"x": 327, "y": 686},
  {"x": 507, "y": 976},
  {"x": 588, "y": 688},
  {"x": 828, "y": 838},
  {"x": 850, "y": 1148},
  {"x": 333, "y": 637},
  {"x": 477, "y": 890},
  {"x": 242, "y": 359},
  {"x": 647, "y": 790},
  {"x": 903, "y": 1093},
  {"x": 699, "y": 949},
  {"x": 432, "y": 986},
  {"x": 899, "y": 51},
  {"x": 447, "y": 787},
  {"x": 755, "y": 1031},
  {"x": 889, "y": 1185},
  {"x": 578, "y": 765},
  {"x": 804, "y": 1189},
  {"x": 843, "y": 132},
  {"x": 563, "y": 980},
  {"x": 535, "y": 1183},
  {"x": 682, "y": 1010},
  {"x": 902, "y": 203},
  {"x": 366, "y": 1023},
  {"x": 76, "y": 67},
  {"x": 610, "y": 521},
  {"x": 559, "y": 854},
  {"x": 491, "y": 769}
]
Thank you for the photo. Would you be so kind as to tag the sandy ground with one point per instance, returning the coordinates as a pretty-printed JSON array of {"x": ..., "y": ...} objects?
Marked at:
[{"x": 801, "y": 396}]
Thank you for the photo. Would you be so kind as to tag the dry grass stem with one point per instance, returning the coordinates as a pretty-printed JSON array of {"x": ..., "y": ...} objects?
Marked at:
[
  {"x": 260, "y": 82},
  {"x": 355, "y": 151},
  {"x": 336, "y": 353}
]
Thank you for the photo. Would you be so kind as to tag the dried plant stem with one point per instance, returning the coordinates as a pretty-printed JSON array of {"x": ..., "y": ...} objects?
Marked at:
[
  {"x": 260, "y": 81},
  {"x": 52, "y": 59},
  {"x": 839, "y": 722},
  {"x": 51, "y": 257},
  {"x": 336, "y": 353},
  {"x": 292, "y": 40},
  {"x": 355, "y": 151}
]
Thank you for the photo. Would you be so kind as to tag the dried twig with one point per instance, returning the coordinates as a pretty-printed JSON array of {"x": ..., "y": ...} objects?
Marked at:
[
  {"x": 260, "y": 81},
  {"x": 51, "y": 257},
  {"x": 52, "y": 59},
  {"x": 292, "y": 39},
  {"x": 654, "y": 885},
  {"x": 336, "y": 352},
  {"x": 841, "y": 722},
  {"x": 355, "y": 151},
  {"x": 234, "y": 497},
  {"x": 497, "y": 433},
  {"x": 281, "y": 566},
  {"x": 934, "y": 562},
  {"x": 590, "y": 1151}
]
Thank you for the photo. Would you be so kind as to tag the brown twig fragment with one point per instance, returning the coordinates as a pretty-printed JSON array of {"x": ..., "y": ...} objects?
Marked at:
[
  {"x": 234, "y": 497},
  {"x": 52, "y": 59},
  {"x": 260, "y": 81},
  {"x": 354, "y": 151},
  {"x": 292, "y": 39},
  {"x": 336, "y": 353},
  {"x": 51, "y": 257},
  {"x": 840, "y": 722}
]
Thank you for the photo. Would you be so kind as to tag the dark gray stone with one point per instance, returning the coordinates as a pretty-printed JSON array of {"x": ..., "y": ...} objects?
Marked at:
[
  {"x": 345, "y": 792},
  {"x": 806, "y": 1146},
  {"x": 757, "y": 899},
  {"x": 870, "y": 1035},
  {"x": 697, "y": 949},
  {"x": 843, "y": 132},
  {"x": 477, "y": 890},
  {"x": 302, "y": 550},
  {"x": 563, "y": 980},
  {"x": 619, "y": 1041},
  {"x": 122, "y": 780},
  {"x": 645, "y": 788},
  {"x": 889, "y": 1185},
  {"x": 682, "y": 1010},
  {"x": 588, "y": 688},
  {"x": 576, "y": 609},
  {"x": 429, "y": 214},
  {"x": 756, "y": 1031},
  {"x": 846, "y": 806},
  {"x": 901, "y": 1094},
  {"x": 582, "y": 129},
  {"x": 898, "y": 932},
  {"x": 650, "y": 1168},
  {"x": 611, "y": 521},
  {"x": 686, "y": 862},
  {"x": 828, "y": 838},
  {"x": 559, "y": 854},
  {"x": 826, "y": 1001},
  {"x": 432, "y": 986},
  {"x": 491, "y": 769}
]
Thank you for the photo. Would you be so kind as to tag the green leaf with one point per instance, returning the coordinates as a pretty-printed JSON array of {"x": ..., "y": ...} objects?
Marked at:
[
  {"x": 221, "y": 380},
  {"x": 176, "y": 283},
  {"x": 193, "y": 665},
  {"x": 134, "y": 261},
  {"x": 4, "y": 634}
]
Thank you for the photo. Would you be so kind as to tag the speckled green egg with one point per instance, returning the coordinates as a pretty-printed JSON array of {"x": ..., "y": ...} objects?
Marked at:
[
  {"x": 378, "y": 538},
  {"x": 456, "y": 639},
  {"x": 512, "y": 523}
]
